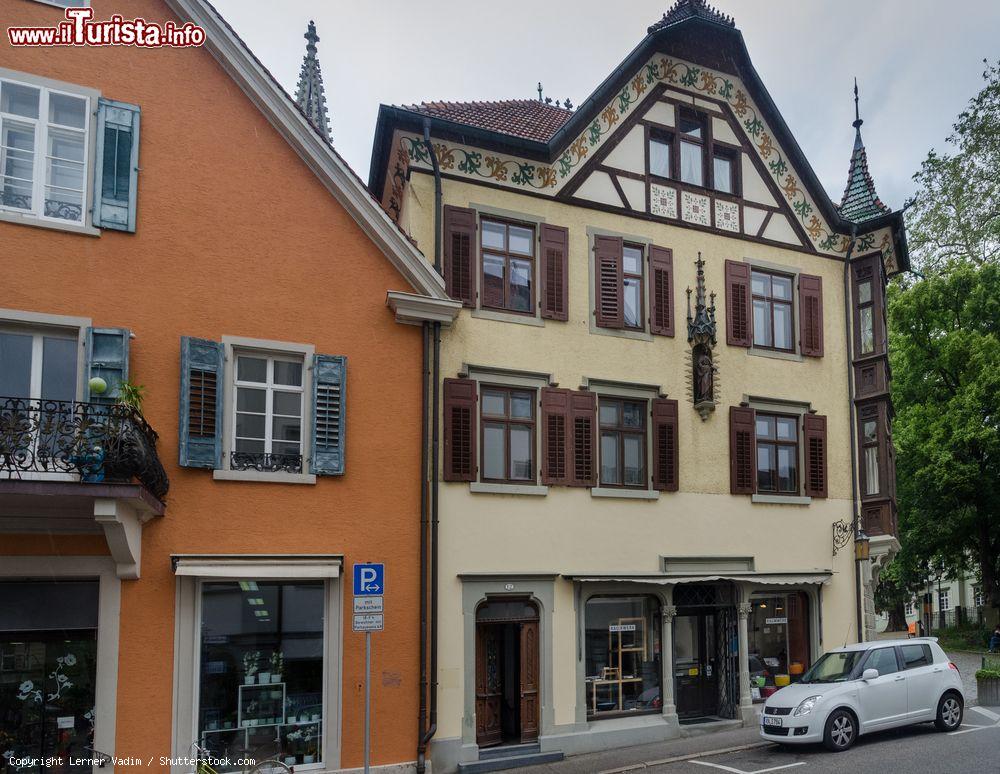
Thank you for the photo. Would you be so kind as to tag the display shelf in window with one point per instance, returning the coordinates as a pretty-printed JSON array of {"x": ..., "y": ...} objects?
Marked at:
[{"x": 261, "y": 705}]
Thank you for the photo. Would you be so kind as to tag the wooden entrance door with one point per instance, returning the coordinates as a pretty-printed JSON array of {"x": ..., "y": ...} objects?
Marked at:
[
  {"x": 489, "y": 685},
  {"x": 696, "y": 679},
  {"x": 529, "y": 681}
]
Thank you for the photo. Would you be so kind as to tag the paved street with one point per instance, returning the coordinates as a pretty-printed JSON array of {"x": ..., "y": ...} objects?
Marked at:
[{"x": 968, "y": 664}]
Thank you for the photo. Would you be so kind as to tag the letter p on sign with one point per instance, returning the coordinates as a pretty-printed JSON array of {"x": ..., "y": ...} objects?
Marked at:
[{"x": 369, "y": 580}]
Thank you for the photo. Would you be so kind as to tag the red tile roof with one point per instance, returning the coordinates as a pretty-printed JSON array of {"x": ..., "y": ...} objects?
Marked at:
[{"x": 529, "y": 119}]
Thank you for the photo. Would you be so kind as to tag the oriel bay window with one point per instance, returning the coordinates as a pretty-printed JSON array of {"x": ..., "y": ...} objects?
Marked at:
[
  {"x": 268, "y": 412},
  {"x": 508, "y": 252},
  {"x": 622, "y": 655},
  {"x": 874, "y": 458},
  {"x": 508, "y": 435},
  {"x": 777, "y": 453},
  {"x": 623, "y": 442},
  {"x": 773, "y": 319}
]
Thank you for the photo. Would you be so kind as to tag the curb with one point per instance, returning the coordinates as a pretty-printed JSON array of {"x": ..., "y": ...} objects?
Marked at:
[{"x": 689, "y": 756}]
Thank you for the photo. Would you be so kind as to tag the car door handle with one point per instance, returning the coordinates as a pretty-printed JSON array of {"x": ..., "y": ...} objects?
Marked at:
[{"x": 900, "y": 679}]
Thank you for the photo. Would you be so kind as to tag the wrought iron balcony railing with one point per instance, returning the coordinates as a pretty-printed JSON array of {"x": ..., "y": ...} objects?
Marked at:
[
  {"x": 266, "y": 463},
  {"x": 101, "y": 443}
]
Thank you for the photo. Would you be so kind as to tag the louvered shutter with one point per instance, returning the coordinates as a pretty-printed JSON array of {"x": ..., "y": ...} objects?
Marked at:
[
  {"x": 201, "y": 404},
  {"x": 665, "y": 445},
  {"x": 459, "y": 430},
  {"x": 811, "y": 315},
  {"x": 554, "y": 245},
  {"x": 661, "y": 291},
  {"x": 583, "y": 421},
  {"x": 738, "y": 332},
  {"x": 459, "y": 254},
  {"x": 116, "y": 172},
  {"x": 608, "y": 277},
  {"x": 107, "y": 352},
  {"x": 814, "y": 436},
  {"x": 556, "y": 453},
  {"x": 742, "y": 450},
  {"x": 329, "y": 392}
]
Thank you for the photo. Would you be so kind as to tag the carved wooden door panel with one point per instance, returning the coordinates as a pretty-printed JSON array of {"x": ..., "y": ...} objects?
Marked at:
[
  {"x": 529, "y": 681},
  {"x": 489, "y": 686}
]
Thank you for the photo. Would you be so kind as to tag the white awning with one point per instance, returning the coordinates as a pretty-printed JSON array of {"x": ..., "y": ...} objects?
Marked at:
[
  {"x": 759, "y": 578},
  {"x": 257, "y": 567}
]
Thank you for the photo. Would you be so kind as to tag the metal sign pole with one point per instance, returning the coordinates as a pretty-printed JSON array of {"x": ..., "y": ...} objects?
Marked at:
[{"x": 368, "y": 699}]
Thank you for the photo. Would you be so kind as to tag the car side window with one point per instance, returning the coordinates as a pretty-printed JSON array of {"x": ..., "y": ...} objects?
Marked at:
[
  {"x": 884, "y": 660},
  {"x": 916, "y": 656}
]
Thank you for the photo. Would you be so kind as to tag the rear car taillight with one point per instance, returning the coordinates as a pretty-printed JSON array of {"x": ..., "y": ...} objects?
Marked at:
[{"x": 951, "y": 664}]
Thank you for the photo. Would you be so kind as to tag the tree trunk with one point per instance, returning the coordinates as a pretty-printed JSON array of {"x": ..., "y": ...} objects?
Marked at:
[{"x": 897, "y": 618}]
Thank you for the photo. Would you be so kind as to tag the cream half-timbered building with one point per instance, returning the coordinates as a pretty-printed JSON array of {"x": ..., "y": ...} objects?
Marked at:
[{"x": 665, "y": 415}]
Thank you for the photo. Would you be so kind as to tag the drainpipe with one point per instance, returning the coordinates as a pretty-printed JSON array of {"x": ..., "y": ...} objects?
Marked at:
[
  {"x": 855, "y": 516},
  {"x": 424, "y": 527},
  {"x": 429, "y": 528}
]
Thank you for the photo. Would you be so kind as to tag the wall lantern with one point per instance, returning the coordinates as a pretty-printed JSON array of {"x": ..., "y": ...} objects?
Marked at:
[{"x": 862, "y": 546}]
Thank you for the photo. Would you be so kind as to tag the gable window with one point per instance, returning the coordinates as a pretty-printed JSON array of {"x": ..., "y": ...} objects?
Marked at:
[
  {"x": 508, "y": 435},
  {"x": 722, "y": 172},
  {"x": 508, "y": 251},
  {"x": 777, "y": 453},
  {"x": 43, "y": 151},
  {"x": 690, "y": 155},
  {"x": 623, "y": 442},
  {"x": 691, "y": 128},
  {"x": 267, "y": 431},
  {"x": 772, "y": 310},
  {"x": 660, "y": 155}
]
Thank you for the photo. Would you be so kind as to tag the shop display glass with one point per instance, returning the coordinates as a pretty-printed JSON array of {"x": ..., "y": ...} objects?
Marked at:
[
  {"x": 623, "y": 666},
  {"x": 779, "y": 641}
]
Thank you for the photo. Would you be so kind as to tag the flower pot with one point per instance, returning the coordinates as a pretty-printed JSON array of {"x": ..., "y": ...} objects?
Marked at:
[
  {"x": 248, "y": 679},
  {"x": 275, "y": 678},
  {"x": 265, "y": 678},
  {"x": 290, "y": 760},
  {"x": 308, "y": 759}
]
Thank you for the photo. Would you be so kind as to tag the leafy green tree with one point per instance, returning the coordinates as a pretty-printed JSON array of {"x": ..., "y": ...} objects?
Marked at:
[{"x": 945, "y": 355}]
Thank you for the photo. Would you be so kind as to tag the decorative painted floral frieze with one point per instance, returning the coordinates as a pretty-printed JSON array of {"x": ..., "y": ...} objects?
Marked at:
[{"x": 684, "y": 76}]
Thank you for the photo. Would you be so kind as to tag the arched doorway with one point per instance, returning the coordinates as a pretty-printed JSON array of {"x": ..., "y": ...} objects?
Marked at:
[{"x": 507, "y": 679}]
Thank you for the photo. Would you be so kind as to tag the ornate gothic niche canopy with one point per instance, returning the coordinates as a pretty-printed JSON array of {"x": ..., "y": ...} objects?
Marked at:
[{"x": 701, "y": 337}]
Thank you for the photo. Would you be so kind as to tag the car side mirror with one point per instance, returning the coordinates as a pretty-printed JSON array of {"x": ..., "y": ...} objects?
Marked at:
[{"x": 869, "y": 674}]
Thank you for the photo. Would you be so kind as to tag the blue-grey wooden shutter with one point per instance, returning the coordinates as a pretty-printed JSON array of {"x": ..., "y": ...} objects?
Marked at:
[
  {"x": 329, "y": 382},
  {"x": 107, "y": 357},
  {"x": 201, "y": 403},
  {"x": 117, "y": 165}
]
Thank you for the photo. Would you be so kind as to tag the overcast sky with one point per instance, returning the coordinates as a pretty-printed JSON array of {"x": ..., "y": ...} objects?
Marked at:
[{"x": 917, "y": 62}]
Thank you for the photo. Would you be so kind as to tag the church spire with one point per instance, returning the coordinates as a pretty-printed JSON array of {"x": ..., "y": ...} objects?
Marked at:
[
  {"x": 860, "y": 201},
  {"x": 309, "y": 95}
]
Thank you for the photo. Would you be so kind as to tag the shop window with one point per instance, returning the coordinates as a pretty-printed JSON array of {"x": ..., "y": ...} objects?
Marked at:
[
  {"x": 508, "y": 251},
  {"x": 48, "y": 671},
  {"x": 777, "y": 454},
  {"x": 623, "y": 662},
  {"x": 623, "y": 443},
  {"x": 508, "y": 422},
  {"x": 773, "y": 320},
  {"x": 779, "y": 641},
  {"x": 261, "y": 675}
]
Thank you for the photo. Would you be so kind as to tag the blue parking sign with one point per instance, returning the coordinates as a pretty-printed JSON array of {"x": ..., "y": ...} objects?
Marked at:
[{"x": 369, "y": 580}]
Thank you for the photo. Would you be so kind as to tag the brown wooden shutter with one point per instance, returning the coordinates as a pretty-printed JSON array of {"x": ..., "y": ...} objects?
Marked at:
[
  {"x": 665, "y": 446},
  {"x": 814, "y": 436},
  {"x": 811, "y": 315},
  {"x": 661, "y": 291},
  {"x": 459, "y": 430},
  {"x": 556, "y": 449},
  {"x": 738, "y": 332},
  {"x": 554, "y": 301},
  {"x": 583, "y": 419},
  {"x": 459, "y": 254},
  {"x": 608, "y": 294},
  {"x": 742, "y": 450}
]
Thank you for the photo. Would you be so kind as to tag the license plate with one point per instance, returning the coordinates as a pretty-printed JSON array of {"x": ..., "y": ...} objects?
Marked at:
[{"x": 770, "y": 720}]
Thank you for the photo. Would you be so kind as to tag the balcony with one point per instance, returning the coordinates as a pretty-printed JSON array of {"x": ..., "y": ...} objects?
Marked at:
[{"x": 78, "y": 468}]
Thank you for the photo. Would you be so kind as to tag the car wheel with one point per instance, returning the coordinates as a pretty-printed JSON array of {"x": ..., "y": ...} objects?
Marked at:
[
  {"x": 949, "y": 713},
  {"x": 841, "y": 731}
]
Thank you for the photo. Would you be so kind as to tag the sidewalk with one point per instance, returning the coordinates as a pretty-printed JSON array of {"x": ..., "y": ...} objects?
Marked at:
[{"x": 637, "y": 758}]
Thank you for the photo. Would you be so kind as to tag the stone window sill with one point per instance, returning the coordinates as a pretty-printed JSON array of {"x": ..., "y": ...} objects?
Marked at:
[
  {"x": 519, "y": 319},
  {"x": 479, "y": 487},
  {"x": 266, "y": 478},
  {"x": 625, "y": 494},
  {"x": 775, "y": 354},
  {"x": 780, "y": 499},
  {"x": 25, "y": 219}
]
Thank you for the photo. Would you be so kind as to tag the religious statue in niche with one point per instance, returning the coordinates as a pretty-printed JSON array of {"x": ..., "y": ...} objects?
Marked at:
[{"x": 701, "y": 337}]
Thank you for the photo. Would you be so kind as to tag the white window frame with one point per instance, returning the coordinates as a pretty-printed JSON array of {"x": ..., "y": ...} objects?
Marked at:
[
  {"x": 978, "y": 597},
  {"x": 270, "y": 387},
  {"x": 37, "y": 215},
  {"x": 944, "y": 599},
  {"x": 240, "y": 345},
  {"x": 38, "y": 334},
  {"x": 187, "y": 646}
]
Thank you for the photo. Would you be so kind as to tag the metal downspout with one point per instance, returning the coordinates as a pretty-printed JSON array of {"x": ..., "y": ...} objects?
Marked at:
[
  {"x": 855, "y": 516},
  {"x": 424, "y": 526},
  {"x": 429, "y": 534}
]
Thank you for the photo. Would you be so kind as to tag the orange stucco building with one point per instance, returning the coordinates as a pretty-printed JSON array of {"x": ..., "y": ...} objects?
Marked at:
[{"x": 237, "y": 270}]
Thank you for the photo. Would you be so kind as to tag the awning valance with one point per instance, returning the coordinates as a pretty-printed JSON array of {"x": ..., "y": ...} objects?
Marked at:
[
  {"x": 759, "y": 578},
  {"x": 257, "y": 567}
]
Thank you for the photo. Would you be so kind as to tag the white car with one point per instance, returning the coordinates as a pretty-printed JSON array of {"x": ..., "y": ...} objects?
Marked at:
[{"x": 866, "y": 687}]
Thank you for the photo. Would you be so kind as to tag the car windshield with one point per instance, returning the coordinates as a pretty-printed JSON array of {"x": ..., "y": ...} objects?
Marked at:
[{"x": 833, "y": 667}]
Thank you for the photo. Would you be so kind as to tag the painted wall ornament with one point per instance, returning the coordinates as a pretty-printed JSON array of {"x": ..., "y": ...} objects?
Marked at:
[{"x": 702, "y": 338}]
